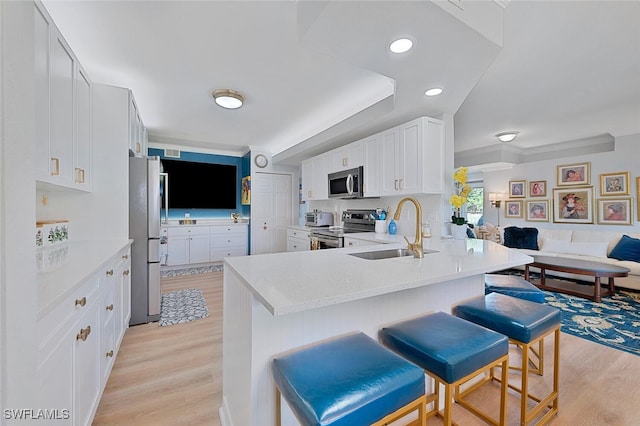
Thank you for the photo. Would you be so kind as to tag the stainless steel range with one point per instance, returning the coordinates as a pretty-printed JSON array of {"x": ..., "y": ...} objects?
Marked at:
[{"x": 333, "y": 236}]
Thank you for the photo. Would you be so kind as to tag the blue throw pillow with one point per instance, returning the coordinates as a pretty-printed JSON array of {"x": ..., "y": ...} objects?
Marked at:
[
  {"x": 627, "y": 249},
  {"x": 521, "y": 238}
]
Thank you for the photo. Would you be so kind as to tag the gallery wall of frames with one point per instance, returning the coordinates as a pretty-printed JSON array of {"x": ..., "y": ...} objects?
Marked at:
[{"x": 595, "y": 190}]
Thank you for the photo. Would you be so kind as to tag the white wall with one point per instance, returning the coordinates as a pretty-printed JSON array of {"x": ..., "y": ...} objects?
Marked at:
[{"x": 626, "y": 157}]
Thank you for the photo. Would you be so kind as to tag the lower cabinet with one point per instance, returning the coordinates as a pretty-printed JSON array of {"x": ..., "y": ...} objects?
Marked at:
[
  {"x": 355, "y": 242},
  {"x": 298, "y": 240},
  {"x": 228, "y": 240},
  {"x": 79, "y": 340},
  {"x": 205, "y": 243}
]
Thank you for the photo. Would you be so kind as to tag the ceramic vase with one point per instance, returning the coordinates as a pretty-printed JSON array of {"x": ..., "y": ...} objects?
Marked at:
[{"x": 459, "y": 232}]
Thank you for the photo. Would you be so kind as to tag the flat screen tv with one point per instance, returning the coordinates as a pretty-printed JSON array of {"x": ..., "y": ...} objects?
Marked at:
[{"x": 195, "y": 185}]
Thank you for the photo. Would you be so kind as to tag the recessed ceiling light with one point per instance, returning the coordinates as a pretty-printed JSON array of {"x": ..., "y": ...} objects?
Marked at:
[
  {"x": 507, "y": 136},
  {"x": 228, "y": 98},
  {"x": 433, "y": 91},
  {"x": 401, "y": 45}
]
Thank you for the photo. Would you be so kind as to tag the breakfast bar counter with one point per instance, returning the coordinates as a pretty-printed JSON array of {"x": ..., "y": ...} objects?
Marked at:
[{"x": 277, "y": 302}]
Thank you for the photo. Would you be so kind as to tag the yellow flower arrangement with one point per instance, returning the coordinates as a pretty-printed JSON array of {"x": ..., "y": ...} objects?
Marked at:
[{"x": 459, "y": 198}]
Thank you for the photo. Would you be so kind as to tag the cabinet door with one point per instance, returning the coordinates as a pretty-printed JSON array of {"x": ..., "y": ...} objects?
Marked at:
[
  {"x": 41, "y": 80},
  {"x": 55, "y": 377},
  {"x": 306, "y": 174},
  {"x": 108, "y": 311},
  {"x": 125, "y": 301},
  {"x": 410, "y": 162},
  {"x": 320, "y": 180},
  {"x": 372, "y": 165},
  {"x": 178, "y": 250},
  {"x": 199, "y": 248},
  {"x": 61, "y": 111},
  {"x": 390, "y": 184},
  {"x": 433, "y": 178},
  {"x": 86, "y": 365},
  {"x": 82, "y": 167}
]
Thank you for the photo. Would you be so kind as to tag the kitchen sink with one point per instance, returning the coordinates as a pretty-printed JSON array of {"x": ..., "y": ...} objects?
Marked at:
[{"x": 387, "y": 254}]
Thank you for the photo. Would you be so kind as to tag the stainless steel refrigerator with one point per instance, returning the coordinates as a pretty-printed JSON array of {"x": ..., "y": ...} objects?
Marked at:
[{"x": 144, "y": 229}]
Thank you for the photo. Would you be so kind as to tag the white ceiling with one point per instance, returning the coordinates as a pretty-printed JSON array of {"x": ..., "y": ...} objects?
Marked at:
[{"x": 317, "y": 74}]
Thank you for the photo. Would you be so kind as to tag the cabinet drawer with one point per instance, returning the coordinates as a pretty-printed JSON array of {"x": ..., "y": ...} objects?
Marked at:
[
  {"x": 75, "y": 304},
  {"x": 228, "y": 240},
  {"x": 297, "y": 233},
  {"x": 220, "y": 253},
  {"x": 187, "y": 230},
  {"x": 228, "y": 229}
]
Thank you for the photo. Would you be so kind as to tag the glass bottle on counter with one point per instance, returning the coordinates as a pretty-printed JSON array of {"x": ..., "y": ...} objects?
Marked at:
[{"x": 393, "y": 228}]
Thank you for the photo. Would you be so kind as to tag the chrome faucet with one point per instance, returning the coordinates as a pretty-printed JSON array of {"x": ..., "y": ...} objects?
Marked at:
[{"x": 416, "y": 246}]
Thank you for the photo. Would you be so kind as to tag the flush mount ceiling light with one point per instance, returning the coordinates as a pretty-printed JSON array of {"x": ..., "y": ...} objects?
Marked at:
[
  {"x": 401, "y": 45},
  {"x": 435, "y": 91},
  {"x": 507, "y": 136},
  {"x": 227, "y": 98}
]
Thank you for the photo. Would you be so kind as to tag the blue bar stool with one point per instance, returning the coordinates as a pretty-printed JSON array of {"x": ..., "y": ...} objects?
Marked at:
[
  {"x": 515, "y": 286},
  {"x": 525, "y": 323},
  {"x": 452, "y": 352},
  {"x": 348, "y": 381}
]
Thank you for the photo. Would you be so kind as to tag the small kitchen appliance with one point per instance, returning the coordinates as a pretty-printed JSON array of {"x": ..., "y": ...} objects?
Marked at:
[
  {"x": 318, "y": 218},
  {"x": 347, "y": 184}
]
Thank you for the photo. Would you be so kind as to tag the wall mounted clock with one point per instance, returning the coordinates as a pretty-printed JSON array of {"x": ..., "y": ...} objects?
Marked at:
[{"x": 261, "y": 161}]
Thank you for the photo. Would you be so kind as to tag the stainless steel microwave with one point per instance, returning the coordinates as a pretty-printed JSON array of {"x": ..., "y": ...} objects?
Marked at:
[{"x": 347, "y": 183}]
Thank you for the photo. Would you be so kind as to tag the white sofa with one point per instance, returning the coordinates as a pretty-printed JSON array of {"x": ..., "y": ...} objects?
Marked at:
[{"x": 586, "y": 245}]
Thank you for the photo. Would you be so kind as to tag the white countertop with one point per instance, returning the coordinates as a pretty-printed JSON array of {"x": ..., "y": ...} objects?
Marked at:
[
  {"x": 84, "y": 259},
  {"x": 297, "y": 281},
  {"x": 204, "y": 222}
]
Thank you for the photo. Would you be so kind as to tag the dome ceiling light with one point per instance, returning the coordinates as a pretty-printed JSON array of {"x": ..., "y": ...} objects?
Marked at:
[
  {"x": 434, "y": 91},
  {"x": 507, "y": 136},
  {"x": 228, "y": 98},
  {"x": 401, "y": 45}
]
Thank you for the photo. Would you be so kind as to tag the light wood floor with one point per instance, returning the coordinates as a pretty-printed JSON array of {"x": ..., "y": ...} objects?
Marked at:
[{"x": 172, "y": 375}]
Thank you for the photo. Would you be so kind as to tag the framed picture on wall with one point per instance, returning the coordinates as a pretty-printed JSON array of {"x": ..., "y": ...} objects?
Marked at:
[
  {"x": 573, "y": 205},
  {"x": 614, "y": 184},
  {"x": 516, "y": 188},
  {"x": 537, "y": 211},
  {"x": 614, "y": 211},
  {"x": 538, "y": 188},
  {"x": 246, "y": 191},
  {"x": 513, "y": 208},
  {"x": 574, "y": 174}
]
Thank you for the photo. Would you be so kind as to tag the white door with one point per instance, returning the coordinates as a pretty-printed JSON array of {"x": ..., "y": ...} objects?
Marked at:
[{"x": 271, "y": 212}]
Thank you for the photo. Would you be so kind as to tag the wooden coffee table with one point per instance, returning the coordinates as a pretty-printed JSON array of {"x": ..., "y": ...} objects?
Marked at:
[{"x": 578, "y": 267}]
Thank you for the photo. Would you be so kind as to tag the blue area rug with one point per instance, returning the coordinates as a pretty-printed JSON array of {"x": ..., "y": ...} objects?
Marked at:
[{"x": 614, "y": 322}]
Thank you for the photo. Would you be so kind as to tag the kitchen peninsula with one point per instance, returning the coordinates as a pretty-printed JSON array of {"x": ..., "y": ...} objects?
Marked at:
[{"x": 276, "y": 302}]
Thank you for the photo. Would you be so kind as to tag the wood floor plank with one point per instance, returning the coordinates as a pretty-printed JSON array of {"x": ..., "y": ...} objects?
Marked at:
[{"x": 173, "y": 375}]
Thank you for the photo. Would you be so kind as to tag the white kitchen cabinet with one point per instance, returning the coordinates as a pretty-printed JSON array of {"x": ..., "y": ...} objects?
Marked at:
[
  {"x": 314, "y": 179},
  {"x": 78, "y": 343},
  {"x": 346, "y": 157},
  {"x": 355, "y": 242},
  {"x": 228, "y": 240},
  {"x": 83, "y": 141},
  {"x": 298, "y": 240},
  {"x": 63, "y": 109},
  {"x": 412, "y": 158},
  {"x": 137, "y": 132},
  {"x": 372, "y": 147},
  {"x": 187, "y": 245}
]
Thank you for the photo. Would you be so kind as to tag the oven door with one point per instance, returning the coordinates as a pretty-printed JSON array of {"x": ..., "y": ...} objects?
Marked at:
[{"x": 322, "y": 242}]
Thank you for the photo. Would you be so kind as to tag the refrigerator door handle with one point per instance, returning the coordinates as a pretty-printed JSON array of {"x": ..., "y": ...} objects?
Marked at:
[{"x": 153, "y": 197}]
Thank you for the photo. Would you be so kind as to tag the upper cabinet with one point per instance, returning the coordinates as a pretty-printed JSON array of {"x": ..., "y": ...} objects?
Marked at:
[
  {"x": 137, "y": 131},
  {"x": 344, "y": 158},
  {"x": 314, "y": 178},
  {"x": 406, "y": 159},
  {"x": 63, "y": 109},
  {"x": 412, "y": 158}
]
